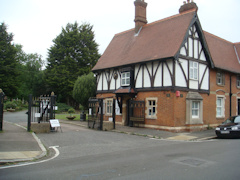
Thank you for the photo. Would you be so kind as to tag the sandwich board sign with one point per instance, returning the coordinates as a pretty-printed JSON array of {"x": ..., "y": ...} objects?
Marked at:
[{"x": 55, "y": 123}]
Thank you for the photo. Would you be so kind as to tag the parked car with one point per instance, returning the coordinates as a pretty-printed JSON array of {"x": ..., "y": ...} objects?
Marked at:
[{"x": 229, "y": 128}]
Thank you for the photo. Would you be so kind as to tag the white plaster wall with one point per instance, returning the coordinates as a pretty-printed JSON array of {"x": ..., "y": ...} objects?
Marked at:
[
  {"x": 167, "y": 78},
  {"x": 139, "y": 77},
  {"x": 147, "y": 82},
  {"x": 193, "y": 84},
  {"x": 179, "y": 77},
  {"x": 99, "y": 87},
  {"x": 158, "y": 77}
]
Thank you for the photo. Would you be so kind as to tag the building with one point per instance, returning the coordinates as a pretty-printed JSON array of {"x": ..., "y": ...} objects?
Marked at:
[{"x": 169, "y": 74}]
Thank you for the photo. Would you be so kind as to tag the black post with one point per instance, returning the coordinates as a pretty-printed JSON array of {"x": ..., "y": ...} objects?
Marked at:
[
  {"x": 101, "y": 116},
  {"x": 29, "y": 112},
  {"x": 1, "y": 109},
  {"x": 113, "y": 113},
  {"x": 51, "y": 105}
]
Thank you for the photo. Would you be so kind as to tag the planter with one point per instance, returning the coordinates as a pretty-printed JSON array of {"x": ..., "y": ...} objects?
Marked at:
[
  {"x": 11, "y": 110},
  {"x": 71, "y": 117}
]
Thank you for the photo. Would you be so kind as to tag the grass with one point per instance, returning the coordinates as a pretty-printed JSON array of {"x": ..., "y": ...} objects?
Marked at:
[{"x": 63, "y": 116}]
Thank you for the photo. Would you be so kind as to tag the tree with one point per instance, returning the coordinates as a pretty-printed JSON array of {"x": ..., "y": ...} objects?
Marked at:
[
  {"x": 30, "y": 73},
  {"x": 84, "y": 88},
  {"x": 73, "y": 54},
  {"x": 8, "y": 63}
]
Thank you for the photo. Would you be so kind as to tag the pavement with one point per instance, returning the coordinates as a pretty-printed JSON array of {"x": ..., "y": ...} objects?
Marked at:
[{"x": 18, "y": 145}]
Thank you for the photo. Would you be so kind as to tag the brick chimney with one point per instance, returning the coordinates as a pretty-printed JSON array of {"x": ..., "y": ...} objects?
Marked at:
[
  {"x": 140, "y": 14},
  {"x": 188, "y": 6}
]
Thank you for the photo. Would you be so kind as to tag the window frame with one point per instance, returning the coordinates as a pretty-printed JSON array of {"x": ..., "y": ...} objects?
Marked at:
[
  {"x": 151, "y": 107},
  {"x": 195, "y": 109},
  {"x": 221, "y": 107},
  {"x": 125, "y": 77},
  {"x": 109, "y": 107},
  {"x": 193, "y": 70},
  {"x": 238, "y": 81},
  {"x": 220, "y": 79}
]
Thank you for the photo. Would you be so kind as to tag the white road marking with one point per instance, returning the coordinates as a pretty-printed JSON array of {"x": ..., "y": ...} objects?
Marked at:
[{"x": 31, "y": 163}]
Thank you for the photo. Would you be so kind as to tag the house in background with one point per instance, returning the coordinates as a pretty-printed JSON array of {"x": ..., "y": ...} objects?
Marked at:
[{"x": 169, "y": 74}]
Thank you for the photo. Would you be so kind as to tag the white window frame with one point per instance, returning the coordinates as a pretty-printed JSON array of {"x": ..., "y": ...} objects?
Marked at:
[
  {"x": 238, "y": 81},
  {"x": 109, "y": 107},
  {"x": 220, "y": 107},
  {"x": 193, "y": 70},
  {"x": 220, "y": 78},
  {"x": 125, "y": 78},
  {"x": 151, "y": 106},
  {"x": 195, "y": 109}
]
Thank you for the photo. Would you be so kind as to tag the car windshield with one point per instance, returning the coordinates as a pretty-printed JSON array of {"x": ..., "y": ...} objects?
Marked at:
[{"x": 235, "y": 119}]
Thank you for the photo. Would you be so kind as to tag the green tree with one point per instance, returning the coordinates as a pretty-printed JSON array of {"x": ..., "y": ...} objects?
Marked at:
[
  {"x": 31, "y": 74},
  {"x": 73, "y": 54},
  {"x": 84, "y": 88},
  {"x": 8, "y": 63}
]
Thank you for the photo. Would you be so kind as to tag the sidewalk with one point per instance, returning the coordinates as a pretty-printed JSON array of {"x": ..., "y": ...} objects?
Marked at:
[{"x": 16, "y": 144}]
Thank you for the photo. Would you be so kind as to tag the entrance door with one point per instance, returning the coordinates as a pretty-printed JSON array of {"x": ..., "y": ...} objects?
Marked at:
[{"x": 136, "y": 112}]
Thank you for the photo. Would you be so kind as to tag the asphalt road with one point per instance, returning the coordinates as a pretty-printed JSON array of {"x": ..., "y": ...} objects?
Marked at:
[{"x": 88, "y": 154}]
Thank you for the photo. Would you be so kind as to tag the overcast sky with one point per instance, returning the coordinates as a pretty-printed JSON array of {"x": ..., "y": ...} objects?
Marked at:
[{"x": 35, "y": 23}]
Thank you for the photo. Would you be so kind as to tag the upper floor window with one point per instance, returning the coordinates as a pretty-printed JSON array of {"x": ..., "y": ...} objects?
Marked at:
[
  {"x": 238, "y": 81},
  {"x": 193, "y": 70},
  {"x": 125, "y": 79},
  {"x": 220, "y": 78}
]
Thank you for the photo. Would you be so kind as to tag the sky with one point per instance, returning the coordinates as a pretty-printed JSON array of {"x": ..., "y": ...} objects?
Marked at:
[{"x": 35, "y": 23}]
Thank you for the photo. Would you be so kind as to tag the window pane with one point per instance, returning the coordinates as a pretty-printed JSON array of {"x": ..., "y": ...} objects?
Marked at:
[
  {"x": 149, "y": 111},
  {"x": 153, "y": 111},
  {"x": 150, "y": 103}
]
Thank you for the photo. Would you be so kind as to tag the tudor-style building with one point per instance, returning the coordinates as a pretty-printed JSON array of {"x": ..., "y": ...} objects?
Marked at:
[{"x": 182, "y": 77}]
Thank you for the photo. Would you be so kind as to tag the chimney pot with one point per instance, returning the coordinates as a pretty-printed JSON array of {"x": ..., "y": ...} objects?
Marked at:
[{"x": 188, "y": 6}]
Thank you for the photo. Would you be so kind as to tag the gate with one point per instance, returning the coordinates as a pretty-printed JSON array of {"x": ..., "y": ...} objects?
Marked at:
[
  {"x": 41, "y": 109},
  {"x": 136, "y": 112},
  {"x": 1, "y": 109},
  {"x": 97, "y": 116}
]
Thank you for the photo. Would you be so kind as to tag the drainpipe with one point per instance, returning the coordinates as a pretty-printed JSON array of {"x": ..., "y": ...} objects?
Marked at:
[{"x": 230, "y": 95}]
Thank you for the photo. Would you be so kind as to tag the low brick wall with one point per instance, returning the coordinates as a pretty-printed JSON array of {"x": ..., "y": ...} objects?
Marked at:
[
  {"x": 107, "y": 125},
  {"x": 40, "y": 127}
]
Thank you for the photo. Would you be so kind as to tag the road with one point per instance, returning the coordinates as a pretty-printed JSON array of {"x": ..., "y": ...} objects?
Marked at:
[{"x": 88, "y": 154}]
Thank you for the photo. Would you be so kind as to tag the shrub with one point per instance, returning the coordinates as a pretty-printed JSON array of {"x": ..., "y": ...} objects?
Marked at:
[
  {"x": 71, "y": 111},
  {"x": 10, "y": 105}
]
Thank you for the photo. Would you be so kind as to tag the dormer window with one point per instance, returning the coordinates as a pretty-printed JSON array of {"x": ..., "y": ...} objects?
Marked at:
[{"x": 125, "y": 79}]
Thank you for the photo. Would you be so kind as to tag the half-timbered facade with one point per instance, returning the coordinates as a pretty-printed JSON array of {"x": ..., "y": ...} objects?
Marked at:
[{"x": 170, "y": 68}]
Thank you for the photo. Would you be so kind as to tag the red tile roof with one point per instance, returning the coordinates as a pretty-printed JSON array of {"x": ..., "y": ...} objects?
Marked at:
[
  {"x": 160, "y": 39},
  {"x": 223, "y": 53}
]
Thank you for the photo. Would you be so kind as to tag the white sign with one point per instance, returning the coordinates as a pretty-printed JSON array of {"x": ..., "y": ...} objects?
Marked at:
[
  {"x": 37, "y": 115},
  {"x": 90, "y": 111},
  {"x": 54, "y": 123},
  {"x": 110, "y": 119},
  {"x": 55, "y": 107}
]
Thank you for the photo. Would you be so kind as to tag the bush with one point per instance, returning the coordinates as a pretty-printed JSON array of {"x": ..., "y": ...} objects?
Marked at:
[
  {"x": 62, "y": 107},
  {"x": 10, "y": 105},
  {"x": 71, "y": 111}
]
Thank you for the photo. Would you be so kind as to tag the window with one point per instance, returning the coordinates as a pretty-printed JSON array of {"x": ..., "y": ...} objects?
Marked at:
[
  {"x": 195, "y": 109},
  {"x": 151, "y": 110},
  {"x": 125, "y": 79},
  {"x": 220, "y": 78},
  {"x": 193, "y": 70},
  {"x": 220, "y": 106},
  {"x": 109, "y": 106},
  {"x": 238, "y": 81}
]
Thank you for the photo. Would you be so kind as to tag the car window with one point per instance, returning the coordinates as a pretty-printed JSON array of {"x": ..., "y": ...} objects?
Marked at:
[{"x": 237, "y": 119}]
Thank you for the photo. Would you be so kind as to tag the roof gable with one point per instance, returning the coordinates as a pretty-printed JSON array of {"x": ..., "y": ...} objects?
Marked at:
[{"x": 151, "y": 43}]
